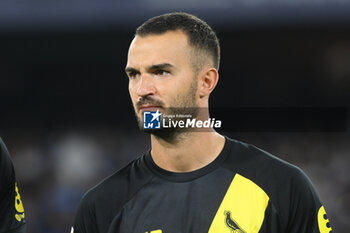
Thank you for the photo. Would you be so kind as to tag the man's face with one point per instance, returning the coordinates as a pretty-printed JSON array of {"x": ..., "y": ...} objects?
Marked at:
[{"x": 161, "y": 74}]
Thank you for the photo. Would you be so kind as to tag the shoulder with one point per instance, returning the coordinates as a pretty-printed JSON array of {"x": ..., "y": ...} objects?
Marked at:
[
  {"x": 12, "y": 212},
  {"x": 5, "y": 159},
  {"x": 120, "y": 186},
  {"x": 253, "y": 161},
  {"x": 102, "y": 202},
  {"x": 290, "y": 192},
  {"x": 275, "y": 176},
  {"x": 7, "y": 173}
]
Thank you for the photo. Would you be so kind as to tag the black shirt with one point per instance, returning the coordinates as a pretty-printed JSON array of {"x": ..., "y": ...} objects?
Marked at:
[
  {"x": 244, "y": 190},
  {"x": 11, "y": 207}
]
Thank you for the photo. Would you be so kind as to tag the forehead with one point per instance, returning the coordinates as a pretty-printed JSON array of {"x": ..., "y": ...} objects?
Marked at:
[{"x": 170, "y": 47}]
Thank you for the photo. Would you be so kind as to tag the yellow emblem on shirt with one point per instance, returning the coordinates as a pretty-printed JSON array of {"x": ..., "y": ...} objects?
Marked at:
[
  {"x": 19, "y": 206},
  {"x": 323, "y": 222}
]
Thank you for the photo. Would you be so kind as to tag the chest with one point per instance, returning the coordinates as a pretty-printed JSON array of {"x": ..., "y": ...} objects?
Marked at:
[{"x": 227, "y": 203}]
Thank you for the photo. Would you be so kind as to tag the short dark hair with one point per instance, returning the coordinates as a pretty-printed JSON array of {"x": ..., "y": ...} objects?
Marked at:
[{"x": 200, "y": 35}]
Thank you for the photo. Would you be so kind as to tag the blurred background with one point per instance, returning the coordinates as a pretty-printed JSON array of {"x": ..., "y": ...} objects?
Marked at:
[{"x": 67, "y": 119}]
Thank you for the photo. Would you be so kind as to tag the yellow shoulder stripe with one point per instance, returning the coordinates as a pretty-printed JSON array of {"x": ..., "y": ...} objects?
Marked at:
[{"x": 243, "y": 208}]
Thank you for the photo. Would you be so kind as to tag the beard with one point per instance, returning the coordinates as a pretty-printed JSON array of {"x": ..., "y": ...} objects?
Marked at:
[{"x": 188, "y": 106}]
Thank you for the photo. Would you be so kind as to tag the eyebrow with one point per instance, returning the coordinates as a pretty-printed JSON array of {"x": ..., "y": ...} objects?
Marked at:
[
  {"x": 130, "y": 70},
  {"x": 160, "y": 66},
  {"x": 150, "y": 68}
]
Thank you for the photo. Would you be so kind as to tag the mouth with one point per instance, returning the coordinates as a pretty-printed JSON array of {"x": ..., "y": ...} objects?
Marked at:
[{"x": 149, "y": 108}]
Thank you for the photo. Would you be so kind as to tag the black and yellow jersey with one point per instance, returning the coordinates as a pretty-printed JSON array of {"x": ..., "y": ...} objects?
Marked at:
[
  {"x": 11, "y": 208},
  {"x": 244, "y": 190}
]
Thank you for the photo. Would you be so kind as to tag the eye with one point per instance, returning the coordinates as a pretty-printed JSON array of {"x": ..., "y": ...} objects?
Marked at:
[
  {"x": 133, "y": 75},
  {"x": 161, "y": 72}
]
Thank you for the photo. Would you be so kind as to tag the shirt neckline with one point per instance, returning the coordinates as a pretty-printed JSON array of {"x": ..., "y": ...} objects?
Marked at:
[{"x": 188, "y": 176}]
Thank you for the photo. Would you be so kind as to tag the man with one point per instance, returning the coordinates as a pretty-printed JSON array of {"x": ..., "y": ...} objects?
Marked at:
[
  {"x": 11, "y": 208},
  {"x": 193, "y": 180}
]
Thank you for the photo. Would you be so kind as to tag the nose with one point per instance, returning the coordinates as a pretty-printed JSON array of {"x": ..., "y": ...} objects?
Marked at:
[{"x": 145, "y": 86}]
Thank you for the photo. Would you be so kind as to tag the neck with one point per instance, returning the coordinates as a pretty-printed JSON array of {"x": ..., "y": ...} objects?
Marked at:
[{"x": 191, "y": 151}]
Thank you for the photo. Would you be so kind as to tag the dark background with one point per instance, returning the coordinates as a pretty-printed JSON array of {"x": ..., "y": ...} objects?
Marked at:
[{"x": 66, "y": 115}]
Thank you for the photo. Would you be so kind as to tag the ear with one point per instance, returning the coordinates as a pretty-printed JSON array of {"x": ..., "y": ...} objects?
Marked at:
[{"x": 208, "y": 79}]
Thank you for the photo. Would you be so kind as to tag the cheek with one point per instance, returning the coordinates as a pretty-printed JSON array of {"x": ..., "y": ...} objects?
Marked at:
[{"x": 132, "y": 93}]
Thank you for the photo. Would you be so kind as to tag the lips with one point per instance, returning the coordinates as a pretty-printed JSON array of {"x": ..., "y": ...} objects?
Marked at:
[{"x": 149, "y": 108}]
